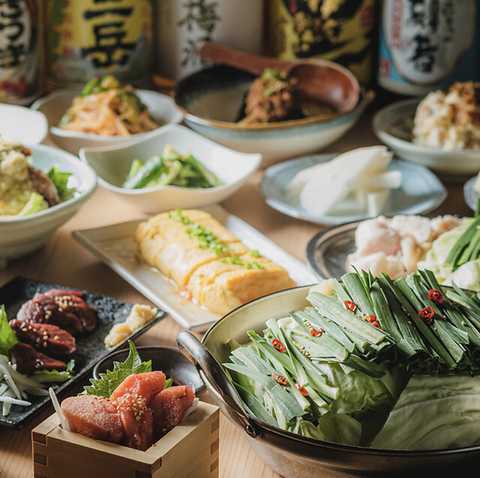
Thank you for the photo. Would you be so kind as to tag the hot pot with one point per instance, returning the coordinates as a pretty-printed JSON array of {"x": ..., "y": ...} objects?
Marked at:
[{"x": 289, "y": 454}]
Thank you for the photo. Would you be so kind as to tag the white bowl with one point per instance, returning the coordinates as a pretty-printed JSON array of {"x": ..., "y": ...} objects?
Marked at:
[
  {"x": 22, "y": 125},
  {"x": 211, "y": 100},
  {"x": 54, "y": 106},
  {"x": 112, "y": 164},
  {"x": 393, "y": 126},
  {"x": 21, "y": 235}
]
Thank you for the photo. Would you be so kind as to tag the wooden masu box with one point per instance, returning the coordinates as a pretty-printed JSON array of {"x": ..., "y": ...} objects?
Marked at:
[{"x": 189, "y": 450}]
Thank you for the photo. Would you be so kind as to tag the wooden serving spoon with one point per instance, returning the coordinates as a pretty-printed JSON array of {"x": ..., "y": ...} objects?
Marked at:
[{"x": 319, "y": 80}]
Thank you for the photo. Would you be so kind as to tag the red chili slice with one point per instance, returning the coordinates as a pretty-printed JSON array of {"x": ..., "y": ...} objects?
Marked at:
[
  {"x": 426, "y": 314},
  {"x": 302, "y": 390},
  {"x": 279, "y": 379},
  {"x": 278, "y": 345},
  {"x": 435, "y": 296},
  {"x": 350, "y": 305},
  {"x": 316, "y": 332}
]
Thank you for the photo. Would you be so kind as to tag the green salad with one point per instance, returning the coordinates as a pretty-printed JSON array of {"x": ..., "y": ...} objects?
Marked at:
[
  {"x": 24, "y": 189},
  {"x": 455, "y": 256},
  {"x": 371, "y": 362},
  {"x": 170, "y": 169}
]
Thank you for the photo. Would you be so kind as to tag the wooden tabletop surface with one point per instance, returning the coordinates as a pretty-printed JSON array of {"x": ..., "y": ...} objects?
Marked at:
[{"x": 65, "y": 262}]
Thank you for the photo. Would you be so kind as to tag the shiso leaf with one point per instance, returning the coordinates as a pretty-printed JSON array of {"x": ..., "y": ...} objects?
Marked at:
[
  {"x": 7, "y": 336},
  {"x": 111, "y": 379}
]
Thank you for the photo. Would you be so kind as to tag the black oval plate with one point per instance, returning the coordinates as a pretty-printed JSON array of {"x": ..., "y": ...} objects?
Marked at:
[{"x": 90, "y": 347}]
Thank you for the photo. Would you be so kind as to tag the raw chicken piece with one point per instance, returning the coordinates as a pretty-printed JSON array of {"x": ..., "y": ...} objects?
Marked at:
[
  {"x": 411, "y": 253},
  {"x": 375, "y": 235},
  {"x": 441, "y": 224},
  {"x": 377, "y": 263},
  {"x": 169, "y": 407},
  {"x": 94, "y": 417},
  {"x": 417, "y": 227}
]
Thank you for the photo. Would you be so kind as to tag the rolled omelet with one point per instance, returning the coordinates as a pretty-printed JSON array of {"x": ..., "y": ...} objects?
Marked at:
[{"x": 207, "y": 261}]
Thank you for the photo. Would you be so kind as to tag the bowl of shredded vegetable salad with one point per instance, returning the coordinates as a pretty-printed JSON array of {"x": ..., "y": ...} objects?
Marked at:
[
  {"x": 104, "y": 112},
  {"x": 173, "y": 167},
  {"x": 361, "y": 376}
]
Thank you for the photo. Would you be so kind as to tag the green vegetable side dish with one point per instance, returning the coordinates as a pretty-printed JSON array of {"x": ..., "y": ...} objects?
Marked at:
[
  {"x": 455, "y": 255},
  {"x": 170, "y": 169},
  {"x": 24, "y": 189},
  {"x": 371, "y": 362}
]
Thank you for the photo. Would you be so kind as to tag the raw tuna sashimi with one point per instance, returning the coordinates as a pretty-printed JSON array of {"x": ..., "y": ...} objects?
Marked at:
[
  {"x": 169, "y": 407},
  {"x": 94, "y": 417}
]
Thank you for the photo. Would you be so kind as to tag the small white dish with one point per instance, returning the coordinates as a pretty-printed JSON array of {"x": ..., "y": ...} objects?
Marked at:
[
  {"x": 393, "y": 126},
  {"x": 471, "y": 196},
  {"x": 54, "y": 106},
  {"x": 420, "y": 191},
  {"x": 23, "y": 125},
  {"x": 112, "y": 164},
  {"x": 22, "y": 235},
  {"x": 116, "y": 247}
]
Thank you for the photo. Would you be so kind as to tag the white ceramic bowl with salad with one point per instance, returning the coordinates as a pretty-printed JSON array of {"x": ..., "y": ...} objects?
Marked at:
[
  {"x": 157, "y": 185},
  {"x": 53, "y": 106},
  {"x": 22, "y": 234}
]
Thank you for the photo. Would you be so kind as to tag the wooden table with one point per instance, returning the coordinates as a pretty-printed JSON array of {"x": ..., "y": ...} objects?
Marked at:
[{"x": 63, "y": 261}]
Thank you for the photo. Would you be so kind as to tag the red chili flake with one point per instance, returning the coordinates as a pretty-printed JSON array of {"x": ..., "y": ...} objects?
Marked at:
[
  {"x": 302, "y": 390},
  {"x": 435, "y": 296},
  {"x": 279, "y": 379},
  {"x": 278, "y": 345},
  {"x": 316, "y": 332},
  {"x": 350, "y": 305},
  {"x": 426, "y": 314},
  {"x": 372, "y": 318},
  {"x": 376, "y": 324}
]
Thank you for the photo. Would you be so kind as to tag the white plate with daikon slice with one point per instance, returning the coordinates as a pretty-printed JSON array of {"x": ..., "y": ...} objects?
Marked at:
[{"x": 419, "y": 192}]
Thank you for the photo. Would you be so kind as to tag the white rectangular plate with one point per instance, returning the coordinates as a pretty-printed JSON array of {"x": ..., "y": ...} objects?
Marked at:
[{"x": 115, "y": 246}]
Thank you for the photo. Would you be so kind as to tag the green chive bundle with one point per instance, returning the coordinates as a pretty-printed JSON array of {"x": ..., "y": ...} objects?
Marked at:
[{"x": 373, "y": 333}]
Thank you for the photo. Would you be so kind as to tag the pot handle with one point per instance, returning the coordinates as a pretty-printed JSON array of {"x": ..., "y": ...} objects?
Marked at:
[{"x": 225, "y": 392}]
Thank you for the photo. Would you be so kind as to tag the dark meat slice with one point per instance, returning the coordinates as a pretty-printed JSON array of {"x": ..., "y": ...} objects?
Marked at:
[
  {"x": 43, "y": 309},
  {"x": 71, "y": 301},
  {"x": 28, "y": 360},
  {"x": 46, "y": 337},
  {"x": 65, "y": 309},
  {"x": 94, "y": 417},
  {"x": 43, "y": 185}
]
